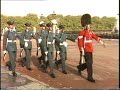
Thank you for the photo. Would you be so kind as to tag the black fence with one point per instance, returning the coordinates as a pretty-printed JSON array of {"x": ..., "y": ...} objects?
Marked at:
[{"x": 71, "y": 35}]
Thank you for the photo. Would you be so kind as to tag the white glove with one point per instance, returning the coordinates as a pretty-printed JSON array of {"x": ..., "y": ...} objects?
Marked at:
[
  {"x": 39, "y": 40},
  {"x": 102, "y": 42},
  {"x": 38, "y": 48},
  {"x": 58, "y": 52},
  {"x": 53, "y": 41},
  {"x": 4, "y": 52},
  {"x": 26, "y": 44},
  {"x": 46, "y": 53},
  {"x": 65, "y": 44}
]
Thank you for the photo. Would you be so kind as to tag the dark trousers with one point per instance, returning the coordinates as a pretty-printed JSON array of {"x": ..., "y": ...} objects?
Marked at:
[
  {"x": 12, "y": 56},
  {"x": 28, "y": 57},
  {"x": 50, "y": 59},
  {"x": 89, "y": 61},
  {"x": 63, "y": 59},
  {"x": 42, "y": 58}
]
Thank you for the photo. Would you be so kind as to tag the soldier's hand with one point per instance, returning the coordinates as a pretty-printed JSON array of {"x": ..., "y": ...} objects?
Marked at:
[
  {"x": 58, "y": 52},
  {"x": 46, "y": 53},
  {"x": 104, "y": 44},
  {"x": 38, "y": 48},
  {"x": 65, "y": 44},
  {"x": 53, "y": 41},
  {"x": 40, "y": 40},
  {"x": 4, "y": 52}
]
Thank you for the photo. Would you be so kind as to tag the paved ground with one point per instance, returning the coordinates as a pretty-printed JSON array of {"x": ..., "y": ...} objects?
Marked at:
[{"x": 105, "y": 66}]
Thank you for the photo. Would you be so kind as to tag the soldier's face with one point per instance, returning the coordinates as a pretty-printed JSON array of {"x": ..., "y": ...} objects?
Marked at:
[
  {"x": 43, "y": 28},
  {"x": 87, "y": 26},
  {"x": 28, "y": 28},
  {"x": 11, "y": 26}
]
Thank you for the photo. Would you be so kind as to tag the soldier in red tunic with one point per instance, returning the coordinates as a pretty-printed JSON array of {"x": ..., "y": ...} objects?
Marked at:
[{"x": 85, "y": 44}]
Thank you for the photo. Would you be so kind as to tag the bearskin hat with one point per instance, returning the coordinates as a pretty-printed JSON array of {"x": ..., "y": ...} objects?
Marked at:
[{"x": 85, "y": 19}]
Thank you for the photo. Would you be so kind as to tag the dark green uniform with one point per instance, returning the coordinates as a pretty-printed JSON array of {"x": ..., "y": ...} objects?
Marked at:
[
  {"x": 27, "y": 36},
  {"x": 63, "y": 52},
  {"x": 57, "y": 46},
  {"x": 42, "y": 34},
  {"x": 9, "y": 44},
  {"x": 50, "y": 41}
]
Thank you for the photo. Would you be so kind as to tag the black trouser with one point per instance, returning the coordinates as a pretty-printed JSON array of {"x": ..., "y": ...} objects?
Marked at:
[
  {"x": 89, "y": 61},
  {"x": 50, "y": 59},
  {"x": 28, "y": 57},
  {"x": 42, "y": 57},
  {"x": 63, "y": 59},
  {"x": 12, "y": 56}
]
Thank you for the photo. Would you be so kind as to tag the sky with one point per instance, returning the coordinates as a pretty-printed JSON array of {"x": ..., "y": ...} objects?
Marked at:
[{"x": 99, "y": 8}]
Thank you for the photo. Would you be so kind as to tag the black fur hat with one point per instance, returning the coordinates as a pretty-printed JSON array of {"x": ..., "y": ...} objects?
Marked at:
[
  {"x": 85, "y": 19},
  {"x": 11, "y": 22}
]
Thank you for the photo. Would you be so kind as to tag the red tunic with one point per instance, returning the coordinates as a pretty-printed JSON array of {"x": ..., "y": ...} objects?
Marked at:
[{"x": 85, "y": 40}]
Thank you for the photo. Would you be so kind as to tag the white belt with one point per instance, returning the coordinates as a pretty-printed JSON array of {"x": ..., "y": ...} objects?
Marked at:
[
  {"x": 49, "y": 42},
  {"x": 61, "y": 44},
  {"x": 88, "y": 41},
  {"x": 11, "y": 40},
  {"x": 26, "y": 40}
]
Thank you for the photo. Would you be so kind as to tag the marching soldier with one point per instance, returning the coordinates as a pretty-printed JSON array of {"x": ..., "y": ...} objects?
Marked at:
[
  {"x": 50, "y": 48},
  {"x": 27, "y": 36},
  {"x": 85, "y": 44},
  {"x": 9, "y": 44},
  {"x": 57, "y": 57},
  {"x": 62, "y": 47},
  {"x": 42, "y": 26},
  {"x": 42, "y": 44}
]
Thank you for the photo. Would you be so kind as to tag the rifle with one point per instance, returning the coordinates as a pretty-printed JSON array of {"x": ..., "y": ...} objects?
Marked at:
[{"x": 21, "y": 52}]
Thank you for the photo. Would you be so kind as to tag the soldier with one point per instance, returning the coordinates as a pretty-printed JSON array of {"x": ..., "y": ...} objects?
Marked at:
[
  {"x": 57, "y": 57},
  {"x": 27, "y": 36},
  {"x": 85, "y": 44},
  {"x": 50, "y": 49},
  {"x": 62, "y": 47},
  {"x": 9, "y": 44},
  {"x": 42, "y": 26},
  {"x": 42, "y": 43}
]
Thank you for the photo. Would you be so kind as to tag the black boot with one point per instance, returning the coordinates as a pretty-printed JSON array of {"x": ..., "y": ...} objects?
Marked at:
[
  {"x": 52, "y": 75},
  {"x": 91, "y": 80},
  {"x": 14, "y": 73},
  {"x": 64, "y": 72},
  {"x": 23, "y": 62},
  {"x": 29, "y": 68},
  {"x": 43, "y": 67}
]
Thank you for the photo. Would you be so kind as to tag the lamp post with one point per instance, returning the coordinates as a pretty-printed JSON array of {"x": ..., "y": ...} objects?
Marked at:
[{"x": 54, "y": 22}]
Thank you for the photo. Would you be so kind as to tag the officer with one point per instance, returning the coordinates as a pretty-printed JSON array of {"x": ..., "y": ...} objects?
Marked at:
[
  {"x": 85, "y": 44},
  {"x": 50, "y": 49},
  {"x": 9, "y": 44},
  {"x": 62, "y": 47},
  {"x": 42, "y": 43},
  {"x": 27, "y": 36},
  {"x": 42, "y": 26}
]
